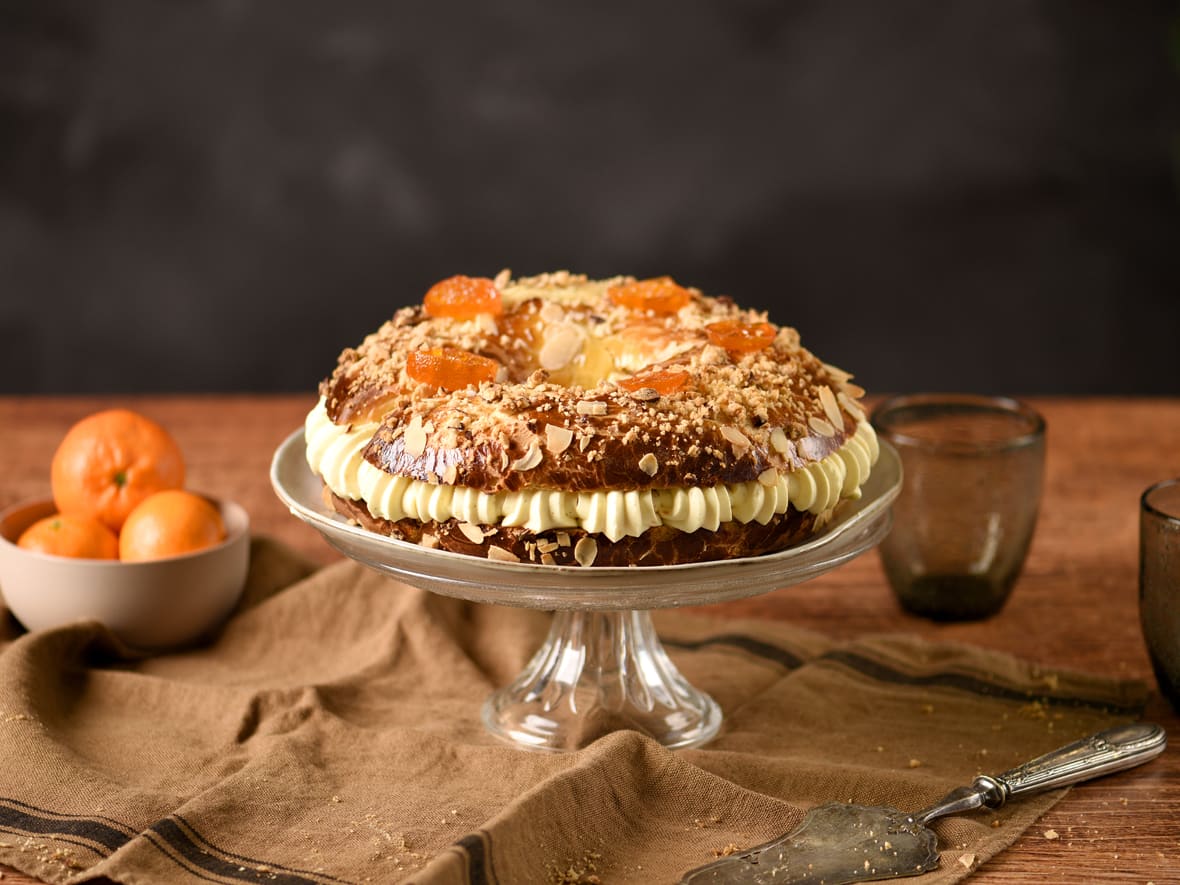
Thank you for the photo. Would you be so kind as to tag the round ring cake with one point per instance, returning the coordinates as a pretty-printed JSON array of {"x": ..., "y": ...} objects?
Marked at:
[{"x": 565, "y": 421}]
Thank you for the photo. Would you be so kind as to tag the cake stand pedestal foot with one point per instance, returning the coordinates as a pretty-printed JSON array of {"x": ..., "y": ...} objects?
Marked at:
[{"x": 599, "y": 672}]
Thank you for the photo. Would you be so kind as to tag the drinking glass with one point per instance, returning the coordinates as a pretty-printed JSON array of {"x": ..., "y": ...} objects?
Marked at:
[
  {"x": 964, "y": 520},
  {"x": 1159, "y": 582}
]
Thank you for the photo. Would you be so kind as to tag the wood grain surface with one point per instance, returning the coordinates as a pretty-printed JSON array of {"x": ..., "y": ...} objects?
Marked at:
[{"x": 1075, "y": 606}]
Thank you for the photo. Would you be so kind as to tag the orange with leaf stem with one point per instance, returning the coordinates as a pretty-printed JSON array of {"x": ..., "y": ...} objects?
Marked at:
[
  {"x": 80, "y": 537},
  {"x": 109, "y": 462}
]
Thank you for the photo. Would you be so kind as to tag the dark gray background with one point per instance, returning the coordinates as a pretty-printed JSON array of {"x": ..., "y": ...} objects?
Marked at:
[{"x": 221, "y": 194}]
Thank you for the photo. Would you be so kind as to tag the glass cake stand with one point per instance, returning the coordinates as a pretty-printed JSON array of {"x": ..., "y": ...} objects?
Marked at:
[{"x": 602, "y": 665}]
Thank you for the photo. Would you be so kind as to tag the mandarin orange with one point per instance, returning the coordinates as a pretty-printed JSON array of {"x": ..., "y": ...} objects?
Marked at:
[
  {"x": 110, "y": 461},
  {"x": 170, "y": 523},
  {"x": 82, "y": 537}
]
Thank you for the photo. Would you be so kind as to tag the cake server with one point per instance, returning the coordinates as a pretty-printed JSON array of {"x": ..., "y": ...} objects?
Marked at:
[{"x": 839, "y": 843}]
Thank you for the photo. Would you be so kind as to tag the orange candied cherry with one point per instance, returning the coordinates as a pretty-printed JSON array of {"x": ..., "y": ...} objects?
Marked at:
[
  {"x": 659, "y": 295},
  {"x": 738, "y": 337},
  {"x": 463, "y": 298},
  {"x": 662, "y": 381},
  {"x": 450, "y": 368}
]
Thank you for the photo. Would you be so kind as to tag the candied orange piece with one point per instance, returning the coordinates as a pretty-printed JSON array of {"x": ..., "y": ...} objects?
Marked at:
[
  {"x": 659, "y": 295},
  {"x": 663, "y": 381},
  {"x": 450, "y": 368},
  {"x": 739, "y": 337},
  {"x": 462, "y": 298}
]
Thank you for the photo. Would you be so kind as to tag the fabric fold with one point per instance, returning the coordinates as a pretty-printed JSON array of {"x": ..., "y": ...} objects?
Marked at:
[{"x": 331, "y": 733}]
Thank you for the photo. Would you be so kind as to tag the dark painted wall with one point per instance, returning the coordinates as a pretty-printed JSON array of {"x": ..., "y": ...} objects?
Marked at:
[{"x": 221, "y": 194}]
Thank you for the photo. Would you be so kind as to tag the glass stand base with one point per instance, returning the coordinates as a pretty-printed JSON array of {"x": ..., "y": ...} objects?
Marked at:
[{"x": 599, "y": 672}]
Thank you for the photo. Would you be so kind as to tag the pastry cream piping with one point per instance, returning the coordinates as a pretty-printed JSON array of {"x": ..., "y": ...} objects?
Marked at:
[{"x": 334, "y": 452}]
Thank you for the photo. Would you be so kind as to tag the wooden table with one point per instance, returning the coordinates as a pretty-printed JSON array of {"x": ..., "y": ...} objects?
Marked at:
[{"x": 1074, "y": 607}]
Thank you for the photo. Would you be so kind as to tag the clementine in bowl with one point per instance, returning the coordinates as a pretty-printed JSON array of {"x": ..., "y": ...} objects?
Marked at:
[
  {"x": 170, "y": 523},
  {"x": 83, "y": 537},
  {"x": 111, "y": 461}
]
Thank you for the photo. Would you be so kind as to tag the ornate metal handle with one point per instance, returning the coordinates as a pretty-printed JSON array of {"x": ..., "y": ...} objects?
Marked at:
[{"x": 1114, "y": 749}]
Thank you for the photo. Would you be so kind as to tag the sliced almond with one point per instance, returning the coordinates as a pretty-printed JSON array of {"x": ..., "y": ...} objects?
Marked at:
[
  {"x": 499, "y": 554},
  {"x": 428, "y": 541},
  {"x": 547, "y": 546},
  {"x": 735, "y": 436},
  {"x": 591, "y": 407},
  {"x": 586, "y": 551},
  {"x": 851, "y": 406},
  {"x": 779, "y": 441},
  {"x": 557, "y": 438},
  {"x": 472, "y": 533},
  {"x": 551, "y": 312},
  {"x": 645, "y": 395},
  {"x": 450, "y": 474},
  {"x": 502, "y": 279},
  {"x": 547, "y": 559},
  {"x": 854, "y": 390},
  {"x": 649, "y": 464},
  {"x": 563, "y": 539},
  {"x": 837, "y": 374},
  {"x": 415, "y": 437},
  {"x": 529, "y": 459},
  {"x": 820, "y": 426},
  {"x": 563, "y": 342},
  {"x": 827, "y": 399},
  {"x": 768, "y": 477}
]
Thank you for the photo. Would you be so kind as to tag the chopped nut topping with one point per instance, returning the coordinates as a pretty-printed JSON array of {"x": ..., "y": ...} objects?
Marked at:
[
  {"x": 586, "y": 551},
  {"x": 649, "y": 464},
  {"x": 591, "y": 407},
  {"x": 820, "y": 426}
]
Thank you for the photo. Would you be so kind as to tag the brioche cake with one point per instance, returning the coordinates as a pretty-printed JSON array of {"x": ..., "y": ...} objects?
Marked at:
[{"x": 560, "y": 420}]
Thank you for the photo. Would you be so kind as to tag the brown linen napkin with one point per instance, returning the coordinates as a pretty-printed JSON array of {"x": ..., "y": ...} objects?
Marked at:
[{"x": 331, "y": 734}]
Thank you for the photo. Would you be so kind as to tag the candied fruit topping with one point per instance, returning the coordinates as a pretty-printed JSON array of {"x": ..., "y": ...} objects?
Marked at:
[
  {"x": 463, "y": 298},
  {"x": 738, "y": 337},
  {"x": 450, "y": 368},
  {"x": 663, "y": 381},
  {"x": 659, "y": 295}
]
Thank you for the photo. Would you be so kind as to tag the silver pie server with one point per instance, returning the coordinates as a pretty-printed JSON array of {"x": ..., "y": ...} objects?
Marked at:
[{"x": 840, "y": 843}]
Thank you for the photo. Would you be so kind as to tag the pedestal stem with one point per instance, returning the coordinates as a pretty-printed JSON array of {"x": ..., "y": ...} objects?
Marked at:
[{"x": 598, "y": 672}]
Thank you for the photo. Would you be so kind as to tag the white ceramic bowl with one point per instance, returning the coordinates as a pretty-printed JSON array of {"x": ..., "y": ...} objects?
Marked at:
[{"x": 149, "y": 605}]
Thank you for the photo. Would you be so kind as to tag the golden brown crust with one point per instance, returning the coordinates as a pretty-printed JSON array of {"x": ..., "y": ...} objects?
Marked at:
[
  {"x": 661, "y": 545},
  {"x": 552, "y": 424}
]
